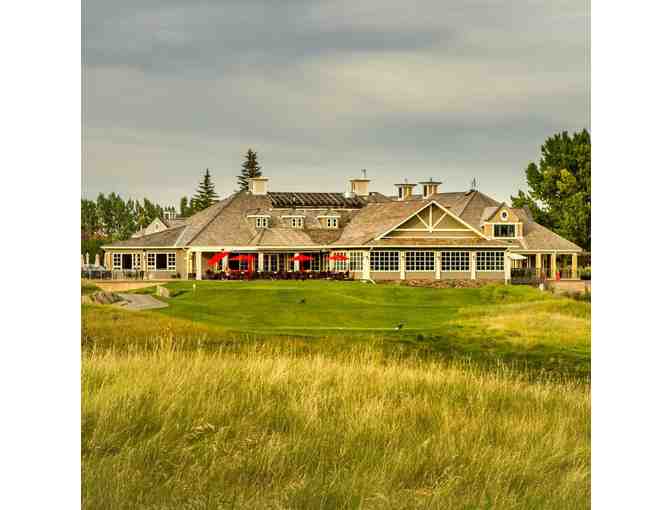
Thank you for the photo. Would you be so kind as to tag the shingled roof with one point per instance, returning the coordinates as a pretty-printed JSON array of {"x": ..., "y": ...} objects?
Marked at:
[
  {"x": 231, "y": 222},
  {"x": 166, "y": 238}
]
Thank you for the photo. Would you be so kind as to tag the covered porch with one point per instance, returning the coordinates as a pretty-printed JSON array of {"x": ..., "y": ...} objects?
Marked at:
[
  {"x": 550, "y": 265},
  {"x": 275, "y": 265}
]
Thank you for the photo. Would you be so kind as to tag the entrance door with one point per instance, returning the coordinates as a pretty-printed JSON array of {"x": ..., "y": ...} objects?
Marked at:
[{"x": 127, "y": 261}]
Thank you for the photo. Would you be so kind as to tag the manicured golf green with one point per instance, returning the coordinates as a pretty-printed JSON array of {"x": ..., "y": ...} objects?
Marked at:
[{"x": 325, "y": 306}]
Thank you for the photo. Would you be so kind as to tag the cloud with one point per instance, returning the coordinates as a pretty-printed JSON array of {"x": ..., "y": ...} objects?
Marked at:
[{"x": 322, "y": 89}]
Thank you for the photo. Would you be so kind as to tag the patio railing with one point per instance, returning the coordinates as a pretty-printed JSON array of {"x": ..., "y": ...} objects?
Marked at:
[{"x": 280, "y": 275}]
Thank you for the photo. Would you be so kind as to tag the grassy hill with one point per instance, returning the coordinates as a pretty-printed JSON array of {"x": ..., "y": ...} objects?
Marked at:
[
  {"x": 482, "y": 400},
  {"x": 520, "y": 326}
]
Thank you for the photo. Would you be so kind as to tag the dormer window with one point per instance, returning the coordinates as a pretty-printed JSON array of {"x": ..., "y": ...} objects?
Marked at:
[
  {"x": 260, "y": 220},
  {"x": 504, "y": 230},
  {"x": 332, "y": 222},
  {"x": 296, "y": 222}
]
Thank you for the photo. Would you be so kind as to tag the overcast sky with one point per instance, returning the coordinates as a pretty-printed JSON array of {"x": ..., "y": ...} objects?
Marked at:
[{"x": 321, "y": 89}]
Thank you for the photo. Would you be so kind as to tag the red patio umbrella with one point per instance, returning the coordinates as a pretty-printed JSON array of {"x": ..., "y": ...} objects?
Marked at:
[
  {"x": 338, "y": 256},
  {"x": 217, "y": 257}
]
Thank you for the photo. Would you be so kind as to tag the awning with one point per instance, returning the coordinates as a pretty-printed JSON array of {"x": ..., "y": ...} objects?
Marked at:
[{"x": 516, "y": 256}]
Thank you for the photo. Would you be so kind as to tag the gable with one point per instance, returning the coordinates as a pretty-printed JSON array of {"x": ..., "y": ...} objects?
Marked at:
[{"x": 431, "y": 222}]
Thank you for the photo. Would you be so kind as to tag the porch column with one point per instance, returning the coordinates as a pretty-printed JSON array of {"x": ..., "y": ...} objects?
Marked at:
[
  {"x": 537, "y": 263},
  {"x": 575, "y": 266},
  {"x": 332, "y": 263},
  {"x": 554, "y": 265},
  {"x": 437, "y": 265},
  {"x": 507, "y": 268},
  {"x": 260, "y": 258},
  {"x": 366, "y": 265},
  {"x": 472, "y": 264},
  {"x": 402, "y": 265},
  {"x": 199, "y": 265},
  {"x": 297, "y": 264}
]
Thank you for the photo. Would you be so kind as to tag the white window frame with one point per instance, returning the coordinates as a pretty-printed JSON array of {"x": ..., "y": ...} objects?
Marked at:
[
  {"x": 295, "y": 221},
  {"x": 332, "y": 222},
  {"x": 356, "y": 260},
  {"x": 489, "y": 261},
  {"x": 171, "y": 261},
  {"x": 341, "y": 265},
  {"x": 494, "y": 229},
  {"x": 261, "y": 222},
  {"x": 420, "y": 261},
  {"x": 116, "y": 261},
  {"x": 384, "y": 261},
  {"x": 271, "y": 262},
  {"x": 455, "y": 261}
]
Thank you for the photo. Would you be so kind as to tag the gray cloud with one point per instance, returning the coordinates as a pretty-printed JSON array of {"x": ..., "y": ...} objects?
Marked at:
[{"x": 322, "y": 89}]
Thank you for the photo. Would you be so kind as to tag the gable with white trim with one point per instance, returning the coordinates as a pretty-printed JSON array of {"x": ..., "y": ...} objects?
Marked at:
[{"x": 432, "y": 222}]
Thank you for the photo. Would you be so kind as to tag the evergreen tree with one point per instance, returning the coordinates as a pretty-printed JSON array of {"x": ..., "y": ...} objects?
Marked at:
[
  {"x": 250, "y": 168},
  {"x": 559, "y": 196},
  {"x": 205, "y": 193},
  {"x": 185, "y": 212}
]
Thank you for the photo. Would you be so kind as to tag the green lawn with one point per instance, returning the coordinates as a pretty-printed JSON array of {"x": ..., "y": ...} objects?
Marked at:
[
  {"x": 240, "y": 396},
  {"x": 512, "y": 324}
]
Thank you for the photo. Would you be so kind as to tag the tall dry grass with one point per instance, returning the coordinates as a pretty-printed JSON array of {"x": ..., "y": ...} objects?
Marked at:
[{"x": 262, "y": 428}]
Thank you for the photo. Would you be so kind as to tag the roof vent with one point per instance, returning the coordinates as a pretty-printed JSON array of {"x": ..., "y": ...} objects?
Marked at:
[
  {"x": 430, "y": 187},
  {"x": 360, "y": 186}
]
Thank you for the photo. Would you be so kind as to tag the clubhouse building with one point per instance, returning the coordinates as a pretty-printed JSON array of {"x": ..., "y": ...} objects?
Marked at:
[{"x": 368, "y": 235}]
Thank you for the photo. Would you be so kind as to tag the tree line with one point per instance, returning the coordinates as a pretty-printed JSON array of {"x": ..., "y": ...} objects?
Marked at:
[{"x": 110, "y": 218}]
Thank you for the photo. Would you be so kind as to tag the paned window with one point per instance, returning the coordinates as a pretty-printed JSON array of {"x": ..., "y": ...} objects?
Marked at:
[
  {"x": 490, "y": 261},
  {"x": 161, "y": 261},
  {"x": 296, "y": 222},
  {"x": 505, "y": 230},
  {"x": 116, "y": 261},
  {"x": 332, "y": 222},
  {"x": 385, "y": 261},
  {"x": 455, "y": 261},
  {"x": 261, "y": 222},
  {"x": 419, "y": 261},
  {"x": 341, "y": 265},
  {"x": 356, "y": 261}
]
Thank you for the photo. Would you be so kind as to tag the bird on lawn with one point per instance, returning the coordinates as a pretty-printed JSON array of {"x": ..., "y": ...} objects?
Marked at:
[
  {"x": 303, "y": 301},
  {"x": 399, "y": 326}
]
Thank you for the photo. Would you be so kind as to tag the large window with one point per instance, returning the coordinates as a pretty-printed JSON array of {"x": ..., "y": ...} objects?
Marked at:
[
  {"x": 505, "y": 230},
  {"x": 385, "y": 261},
  {"x": 490, "y": 261},
  {"x": 271, "y": 262},
  {"x": 455, "y": 261},
  {"x": 161, "y": 261},
  {"x": 116, "y": 261},
  {"x": 341, "y": 265},
  {"x": 419, "y": 261},
  {"x": 356, "y": 261}
]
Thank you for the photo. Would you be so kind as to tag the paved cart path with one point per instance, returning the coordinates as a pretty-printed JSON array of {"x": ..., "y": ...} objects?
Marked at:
[{"x": 140, "y": 302}]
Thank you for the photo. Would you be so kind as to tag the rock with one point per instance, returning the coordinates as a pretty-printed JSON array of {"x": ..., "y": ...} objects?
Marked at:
[
  {"x": 104, "y": 298},
  {"x": 162, "y": 291}
]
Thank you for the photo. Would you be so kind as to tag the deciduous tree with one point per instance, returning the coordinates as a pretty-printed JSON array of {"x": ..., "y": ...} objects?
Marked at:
[{"x": 559, "y": 196}]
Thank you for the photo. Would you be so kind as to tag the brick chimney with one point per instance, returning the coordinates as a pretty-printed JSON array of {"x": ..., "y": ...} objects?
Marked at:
[
  {"x": 360, "y": 186},
  {"x": 258, "y": 185}
]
